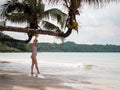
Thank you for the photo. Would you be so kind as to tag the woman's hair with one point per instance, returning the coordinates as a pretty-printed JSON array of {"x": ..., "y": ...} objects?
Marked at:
[{"x": 36, "y": 40}]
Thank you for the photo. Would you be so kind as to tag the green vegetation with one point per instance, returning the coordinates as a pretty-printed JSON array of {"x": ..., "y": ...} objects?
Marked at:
[
  {"x": 5, "y": 48},
  {"x": 54, "y": 47},
  {"x": 73, "y": 47},
  {"x": 12, "y": 46}
]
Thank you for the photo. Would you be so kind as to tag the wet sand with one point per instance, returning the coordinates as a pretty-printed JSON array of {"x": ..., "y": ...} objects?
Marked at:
[{"x": 12, "y": 80}]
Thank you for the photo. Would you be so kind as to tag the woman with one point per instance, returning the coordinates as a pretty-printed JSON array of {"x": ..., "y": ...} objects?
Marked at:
[{"x": 33, "y": 57}]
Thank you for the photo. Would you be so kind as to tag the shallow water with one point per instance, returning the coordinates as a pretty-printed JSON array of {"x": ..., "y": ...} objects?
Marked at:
[{"x": 82, "y": 71}]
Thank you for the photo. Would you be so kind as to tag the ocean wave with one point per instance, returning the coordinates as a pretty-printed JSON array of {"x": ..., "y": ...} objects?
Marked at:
[{"x": 67, "y": 65}]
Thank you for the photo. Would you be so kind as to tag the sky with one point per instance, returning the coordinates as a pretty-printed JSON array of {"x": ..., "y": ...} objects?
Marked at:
[{"x": 96, "y": 26}]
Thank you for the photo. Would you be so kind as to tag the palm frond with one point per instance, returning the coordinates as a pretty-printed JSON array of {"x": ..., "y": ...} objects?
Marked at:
[
  {"x": 34, "y": 7},
  {"x": 16, "y": 11},
  {"x": 40, "y": 10},
  {"x": 54, "y": 1},
  {"x": 12, "y": 6},
  {"x": 6, "y": 9},
  {"x": 99, "y": 2},
  {"x": 49, "y": 26},
  {"x": 18, "y": 17},
  {"x": 90, "y": 2},
  {"x": 57, "y": 14},
  {"x": 3, "y": 23}
]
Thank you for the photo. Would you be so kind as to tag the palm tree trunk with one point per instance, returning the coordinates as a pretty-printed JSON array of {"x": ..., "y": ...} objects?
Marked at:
[{"x": 33, "y": 31}]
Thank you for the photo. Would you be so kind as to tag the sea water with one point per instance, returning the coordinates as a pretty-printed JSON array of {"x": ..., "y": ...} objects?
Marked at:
[{"x": 81, "y": 71}]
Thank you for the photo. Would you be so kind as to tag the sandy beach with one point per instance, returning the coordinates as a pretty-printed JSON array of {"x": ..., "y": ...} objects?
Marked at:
[
  {"x": 12, "y": 80},
  {"x": 91, "y": 72}
]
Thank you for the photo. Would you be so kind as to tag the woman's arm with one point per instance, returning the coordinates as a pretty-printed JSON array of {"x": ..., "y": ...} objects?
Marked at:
[
  {"x": 34, "y": 41},
  {"x": 36, "y": 36}
]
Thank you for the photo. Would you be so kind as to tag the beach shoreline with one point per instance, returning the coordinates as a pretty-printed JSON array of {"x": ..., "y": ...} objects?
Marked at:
[
  {"x": 69, "y": 72},
  {"x": 13, "y": 80}
]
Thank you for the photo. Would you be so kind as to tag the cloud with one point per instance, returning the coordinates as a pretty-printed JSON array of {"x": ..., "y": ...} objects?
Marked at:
[
  {"x": 95, "y": 17},
  {"x": 100, "y": 26},
  {"x": 108, "y": 30},
  {"x": 2, "y": 1}
]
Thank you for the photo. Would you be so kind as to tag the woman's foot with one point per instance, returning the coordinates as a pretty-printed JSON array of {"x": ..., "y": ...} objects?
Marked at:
[
  {"x": 36, "y": 75},
  {"x": 32, "y": 73},
  {"x": 38, "y": 72}
]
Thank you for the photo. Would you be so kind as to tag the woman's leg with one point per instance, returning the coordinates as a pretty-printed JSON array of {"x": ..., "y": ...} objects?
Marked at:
[
  {"x": 36, "y": 66},
  {"x": 32, "y": 65}
]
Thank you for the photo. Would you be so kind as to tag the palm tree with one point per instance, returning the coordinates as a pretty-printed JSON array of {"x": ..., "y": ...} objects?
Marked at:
[
  {"x": 32, "y": 12},
  {"x": 72, "y": 7}
]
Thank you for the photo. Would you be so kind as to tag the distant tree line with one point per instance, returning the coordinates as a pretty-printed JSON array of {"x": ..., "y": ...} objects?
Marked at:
[
  {"x": 54, "y": 47},
  {"x": 73, "y": 47}
]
